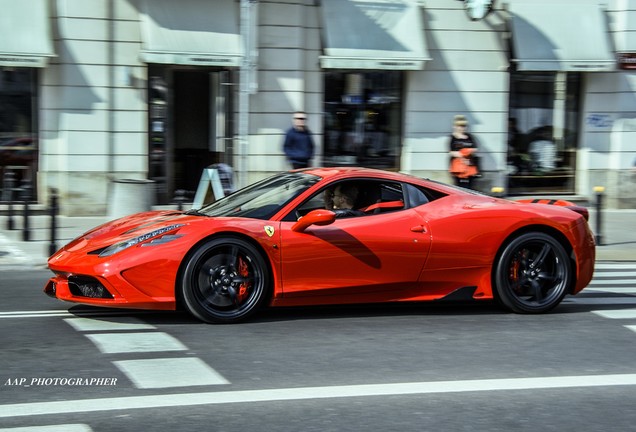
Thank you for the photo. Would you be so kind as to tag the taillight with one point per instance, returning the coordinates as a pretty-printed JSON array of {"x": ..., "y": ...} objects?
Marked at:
[{"x": 582, "y": 211}]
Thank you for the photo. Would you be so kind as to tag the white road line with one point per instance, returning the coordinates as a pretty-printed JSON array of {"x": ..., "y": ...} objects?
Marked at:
[
  {"x": 37, "y": 315},
  {"x": 34, "y": 314},
  {"x": 170, "y": 372},
  {"x": 111, "y": 343},
  {"x": 51, "y": 311},
  {"x": 306, "y": 393},
  {"x": 617, "y": 314},
  {"x": 51, "y": 428},
  {"x": 80, "y": 313}
]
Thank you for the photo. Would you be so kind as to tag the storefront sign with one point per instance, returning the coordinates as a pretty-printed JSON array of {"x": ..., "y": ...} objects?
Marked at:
[
  {"x": 599, "y": 121},
  {"x": 627, "y": 61}
]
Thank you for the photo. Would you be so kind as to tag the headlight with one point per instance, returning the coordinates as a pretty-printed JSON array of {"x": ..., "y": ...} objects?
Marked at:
[{"x": 118, "y": 247}]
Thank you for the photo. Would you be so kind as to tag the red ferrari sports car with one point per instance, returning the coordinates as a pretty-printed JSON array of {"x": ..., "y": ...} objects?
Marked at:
[{"x": 281, "y": 242}]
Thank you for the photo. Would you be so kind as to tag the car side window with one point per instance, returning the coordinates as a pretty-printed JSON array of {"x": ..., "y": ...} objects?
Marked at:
[
  {"x": 416, "y": 197},
  {"x": 384, "y": 197},
  {"x": 372, "y": 197}
]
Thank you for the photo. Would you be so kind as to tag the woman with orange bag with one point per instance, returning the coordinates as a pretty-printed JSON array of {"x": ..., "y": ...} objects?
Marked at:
[{"x": 463, "y": 148}]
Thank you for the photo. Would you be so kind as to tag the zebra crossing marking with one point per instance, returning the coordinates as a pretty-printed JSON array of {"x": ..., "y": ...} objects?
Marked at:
[
  {"x": 631, "y": 327},
  {"x": 121, "y": 323},
  {"x": 610, "y": 290},
  {"x": 117, "y": 343},
  {"x": 146, "y": 373},
  {"x": 617, "y": 278},
  {"x": 617, "y": 314},
  {"x": 170, "y": 372}
]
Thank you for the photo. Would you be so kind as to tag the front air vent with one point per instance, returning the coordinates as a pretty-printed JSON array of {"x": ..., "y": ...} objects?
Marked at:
[{"x": 86, "y": 286}]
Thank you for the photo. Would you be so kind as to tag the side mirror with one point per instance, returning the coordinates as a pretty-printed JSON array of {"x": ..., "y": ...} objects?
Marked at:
[{"x": 314, "y": 217}]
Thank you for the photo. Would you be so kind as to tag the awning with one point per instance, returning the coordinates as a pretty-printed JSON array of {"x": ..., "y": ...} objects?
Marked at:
[
  {"x": 379, "y": 34},
  {"x": 191, "y": 32},
  {"x": 560, "y": 35},
  {"x": 26, "y": 29}
]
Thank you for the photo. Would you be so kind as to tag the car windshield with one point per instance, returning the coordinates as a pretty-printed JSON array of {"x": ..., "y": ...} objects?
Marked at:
[{"x": 264, "y": 199}]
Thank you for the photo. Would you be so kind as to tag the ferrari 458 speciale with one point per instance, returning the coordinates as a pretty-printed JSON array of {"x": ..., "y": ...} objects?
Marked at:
[{"x": 279, "y": 242}]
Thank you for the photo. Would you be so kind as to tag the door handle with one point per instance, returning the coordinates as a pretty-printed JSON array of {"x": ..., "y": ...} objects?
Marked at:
[{"x": 418, "y": 229}]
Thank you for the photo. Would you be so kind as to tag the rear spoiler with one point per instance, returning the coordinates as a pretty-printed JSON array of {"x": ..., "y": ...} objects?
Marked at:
[{"x": 583, "y": 211}]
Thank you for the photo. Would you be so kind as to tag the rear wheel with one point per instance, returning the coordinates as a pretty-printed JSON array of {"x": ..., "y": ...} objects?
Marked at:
[
  {"x": 225, "y": 281},
  {"x": 533, "y": 273}
]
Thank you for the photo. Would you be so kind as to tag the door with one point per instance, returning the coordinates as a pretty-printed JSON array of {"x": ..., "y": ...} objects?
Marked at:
[{"x": 377, "y": 255}]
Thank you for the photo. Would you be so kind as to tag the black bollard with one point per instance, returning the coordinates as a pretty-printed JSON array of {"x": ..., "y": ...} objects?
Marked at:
[
  {"x": 26, "y": 196},
  {"x": 53, "y": 210},
  {"x": 9, "y": 185},
  {"x": 599, "y": 214}
]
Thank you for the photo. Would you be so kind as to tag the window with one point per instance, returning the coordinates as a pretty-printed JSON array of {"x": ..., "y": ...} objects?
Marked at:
[
  {"x": 261, "y": 200},
  {"x": 363, "y": 120},
  {"x": 543, "y": 132},
  {"x": 18, "y": 127},
  {"x": 368, "y": 197}
]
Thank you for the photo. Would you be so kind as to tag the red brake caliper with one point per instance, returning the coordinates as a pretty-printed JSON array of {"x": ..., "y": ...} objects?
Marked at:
[
  {"x": 244, "y": 272},
  {"x": 515, "y": 268}
]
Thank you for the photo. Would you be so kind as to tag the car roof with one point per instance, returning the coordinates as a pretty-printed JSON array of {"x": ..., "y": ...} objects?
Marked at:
[
  {"x": 336, "y": 173},
  {"x": 347, "y": 172}
]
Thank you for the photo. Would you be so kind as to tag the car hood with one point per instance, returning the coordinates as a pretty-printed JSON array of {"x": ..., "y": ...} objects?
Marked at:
[{"x": 132, "y": 226}]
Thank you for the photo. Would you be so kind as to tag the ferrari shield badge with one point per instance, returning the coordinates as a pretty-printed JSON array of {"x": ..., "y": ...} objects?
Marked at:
[{"x": 269, "y": 230}]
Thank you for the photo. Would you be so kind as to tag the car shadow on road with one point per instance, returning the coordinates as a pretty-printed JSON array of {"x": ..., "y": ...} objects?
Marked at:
[
  {"x": 571, "y": 305},
  {"x": 295, "y": 313}
]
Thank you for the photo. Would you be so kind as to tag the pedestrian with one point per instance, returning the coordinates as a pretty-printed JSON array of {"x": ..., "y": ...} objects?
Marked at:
[
  {"x": 299, "y": 143},
  {"x": 464, "y": 165}
]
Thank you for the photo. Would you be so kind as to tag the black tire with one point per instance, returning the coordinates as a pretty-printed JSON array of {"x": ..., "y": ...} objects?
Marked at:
[
  {"x": 225, "y": 280},
  {"x": 533, "y": 273}
]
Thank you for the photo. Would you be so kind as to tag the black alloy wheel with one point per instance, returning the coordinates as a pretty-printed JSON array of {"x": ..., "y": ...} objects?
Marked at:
[
  {"x": 533, "y": 273},
  {"x": 226, "y": 280}
]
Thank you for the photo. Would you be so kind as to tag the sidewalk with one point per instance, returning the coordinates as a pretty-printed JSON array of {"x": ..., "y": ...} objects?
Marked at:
[
  {"x": 618, "y": 237},
  {"x": 14, "y": 252}
]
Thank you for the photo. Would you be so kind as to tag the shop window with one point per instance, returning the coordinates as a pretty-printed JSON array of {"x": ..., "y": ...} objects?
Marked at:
[
  {"x": 18, "y": 136},
  {"x": 363, "y": 119},
  {"x": 543, "y": 132}
]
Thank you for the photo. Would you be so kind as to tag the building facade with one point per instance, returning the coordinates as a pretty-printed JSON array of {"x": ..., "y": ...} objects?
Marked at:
[{"x": 95, "y": 92}]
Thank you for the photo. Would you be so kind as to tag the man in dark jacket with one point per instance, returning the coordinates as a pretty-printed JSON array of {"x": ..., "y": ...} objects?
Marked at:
[{"x": 299, "y": 144}]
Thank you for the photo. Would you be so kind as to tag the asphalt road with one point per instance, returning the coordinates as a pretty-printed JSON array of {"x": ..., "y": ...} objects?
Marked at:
[{"x": 452, "y": 367}]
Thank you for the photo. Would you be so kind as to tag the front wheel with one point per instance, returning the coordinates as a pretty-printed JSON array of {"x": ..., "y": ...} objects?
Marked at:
[
  {"x": 225, "y": 281},
  {"x": 533, "y": 273}
]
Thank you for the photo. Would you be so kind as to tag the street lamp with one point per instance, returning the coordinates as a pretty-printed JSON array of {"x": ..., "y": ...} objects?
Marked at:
[{"x": 478, "y": 9}]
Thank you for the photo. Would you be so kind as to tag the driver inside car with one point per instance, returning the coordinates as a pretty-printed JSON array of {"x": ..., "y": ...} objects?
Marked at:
[{"x": 342, "y": 200}]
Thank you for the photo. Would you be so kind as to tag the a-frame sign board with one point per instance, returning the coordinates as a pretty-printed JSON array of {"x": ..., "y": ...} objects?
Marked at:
[{"x": 210, "y": 188}]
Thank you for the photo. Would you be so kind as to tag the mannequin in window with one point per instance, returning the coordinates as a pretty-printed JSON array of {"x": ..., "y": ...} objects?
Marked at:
[{"x": 543, "y": 150}]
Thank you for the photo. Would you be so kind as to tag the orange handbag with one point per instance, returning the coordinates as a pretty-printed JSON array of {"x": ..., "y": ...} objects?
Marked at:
[{"x": 463, "y": 167}]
